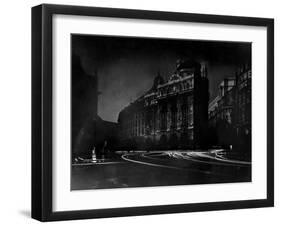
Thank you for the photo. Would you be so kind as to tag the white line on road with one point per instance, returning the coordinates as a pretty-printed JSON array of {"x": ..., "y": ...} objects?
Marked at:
[{"x": 125, "y": 157}]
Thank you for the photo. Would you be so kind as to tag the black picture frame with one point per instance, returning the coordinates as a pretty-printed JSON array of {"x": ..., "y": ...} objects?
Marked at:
[{"x": 42, "y": 111}]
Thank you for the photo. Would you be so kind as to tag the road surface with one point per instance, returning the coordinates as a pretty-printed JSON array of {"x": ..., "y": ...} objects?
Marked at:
[{"x": 160, "y": 168}]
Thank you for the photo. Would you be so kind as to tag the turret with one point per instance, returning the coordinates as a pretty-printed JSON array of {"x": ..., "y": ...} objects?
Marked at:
[{"x": 158, "y": 80}]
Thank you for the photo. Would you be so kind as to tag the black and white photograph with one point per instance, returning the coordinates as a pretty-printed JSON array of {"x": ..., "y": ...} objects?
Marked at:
[
  {"x": 141, "y": 112},
  {"x": 159, "y": 112}
]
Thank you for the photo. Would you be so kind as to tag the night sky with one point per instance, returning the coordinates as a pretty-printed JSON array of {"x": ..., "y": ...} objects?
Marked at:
[{"x": 126, "y": 66}]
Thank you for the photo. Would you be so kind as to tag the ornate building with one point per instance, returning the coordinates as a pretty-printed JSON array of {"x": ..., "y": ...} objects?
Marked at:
[
  {"x": 222, "y": 106},
  {"x": 244, "y": 109},
  {"x": 243, "y": 77},
  {"x": 172, "y": 114},
  {"x": 222, "y": 114},
  {"x": 230, "y": 111}
]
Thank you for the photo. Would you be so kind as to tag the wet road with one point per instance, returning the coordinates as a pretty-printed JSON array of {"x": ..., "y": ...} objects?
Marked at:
[{"x": 160, "y": 168}]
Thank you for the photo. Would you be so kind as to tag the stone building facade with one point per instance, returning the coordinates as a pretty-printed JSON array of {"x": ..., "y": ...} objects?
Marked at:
[
  {"x": 222, "y": 114},
  {"x": 244, "y": 109},
  {"x": 222, "y": 106},
  {"x": 172, "y": 114},
  {"x": 244, "y": 90},
  {"x": 230, "y": 111}
]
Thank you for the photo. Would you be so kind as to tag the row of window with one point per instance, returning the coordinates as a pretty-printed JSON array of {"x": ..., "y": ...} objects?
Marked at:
[
  {"x": 139, "y": 127},
  {"x": 189, "y": 84}
]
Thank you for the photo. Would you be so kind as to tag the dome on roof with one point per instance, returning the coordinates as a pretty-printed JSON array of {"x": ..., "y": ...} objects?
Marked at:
[
  {"x": 158, "y": 80},
  {"x": 174, "y": 77},
  {"x": 188, "y": 63}
]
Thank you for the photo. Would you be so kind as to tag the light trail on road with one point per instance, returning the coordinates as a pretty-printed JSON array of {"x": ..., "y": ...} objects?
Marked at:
[
  {"x": 194, "y": 156},
  {"x": 158, "y": 168},
  {"x": 130, "y": 157}
]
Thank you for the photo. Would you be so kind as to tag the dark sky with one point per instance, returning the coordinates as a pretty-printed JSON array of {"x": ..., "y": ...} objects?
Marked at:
[{"x": 126, "y": 66}]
